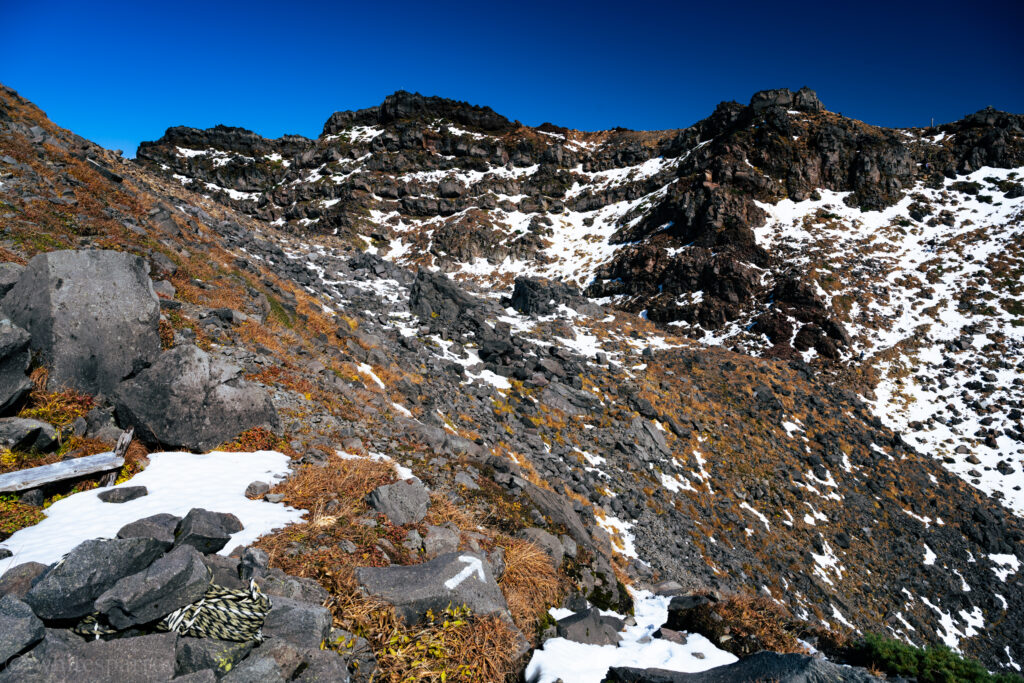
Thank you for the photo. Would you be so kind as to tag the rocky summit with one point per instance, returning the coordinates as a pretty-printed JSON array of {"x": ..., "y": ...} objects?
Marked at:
[{"x": 745, "y": 389}]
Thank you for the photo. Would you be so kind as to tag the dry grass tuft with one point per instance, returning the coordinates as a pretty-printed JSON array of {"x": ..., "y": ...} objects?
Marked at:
[
  {"x": 59, "y": 408},
  {"x": 442, "y": 510},
  {"x": 530, "y": 583},
  {"x": 745, "y": 624},
  {"x": 255, "y": 439},
  {"x": 344, "y": 481}
]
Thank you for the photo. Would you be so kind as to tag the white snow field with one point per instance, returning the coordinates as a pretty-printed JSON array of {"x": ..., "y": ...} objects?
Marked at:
[
  {"x": 177, "y": 482},
  {"x": 579, "y": 663},
  {"x": 916, "y": 289}
]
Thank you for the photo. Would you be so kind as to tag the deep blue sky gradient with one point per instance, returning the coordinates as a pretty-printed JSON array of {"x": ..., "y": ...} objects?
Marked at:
[{"x": 120, "y": 72}]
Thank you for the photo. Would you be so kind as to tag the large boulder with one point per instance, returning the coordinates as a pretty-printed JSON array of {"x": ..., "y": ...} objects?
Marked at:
[
  {"x": 438, "y": 300},
  {"x": 451, "y": 579},
  {"x": 69, "y": 590},
  {"x": 191, "y": 400},
  {"x": 14, "y": 360},
  {"x": 92, "y": 315},
  {"x": 404, "y": 502},
  {"x": 19, "y": 627},
  {"x": 175, "y": 580}
]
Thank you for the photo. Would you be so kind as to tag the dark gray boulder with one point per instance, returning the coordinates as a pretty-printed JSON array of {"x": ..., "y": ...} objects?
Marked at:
[
  {"x": 558, "y": 509},
  {"x": 9, "y": 274},
  {"x": 159, "y": 527},
  {"x": 441, "y": 539},
  {"x": 225, "y": 571},
  {"x": 763, "y": 666},
  {"x": 588, "y": 626},
  {"x": 69, "y": 590},
  {"x": 202, "y": 654},
  {"x": 404, "y": 502},
  {"x": 451, "y": 579},
  {"x": 191, "y": 400},
  {"x": 142, "y": 659},
  {"x": 123, "y": 494},
  {"x": 207, "y": 532},
  {"x": 548, "y": 542},
  {"x": 14, "y": 361},
  {"x": 19, "y": 627},
  {"x": 17, "y": 580},
  {"x": 439, "y": 301},
  {"x": 275, "y": 582},
  {"x": 298, "y": 623},
  {"x": 25, "y": 434},
  {"x": 173, "y": 581},
  {"x": 92, "y": 315}
]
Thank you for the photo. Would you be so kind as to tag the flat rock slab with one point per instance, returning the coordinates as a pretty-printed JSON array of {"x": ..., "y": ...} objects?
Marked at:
[
  {"x": 255, "y": 669},
  {"x": 202, "y": 654},
  {"x": 69, "y": 590},
  {"x": 59, "y": 471},
  {"x": 123, "y": 494},
  {"x": 142, "y": 659},
  {"x": 92, "y": 314},
  {"x": 19, "y": 627},
  {"x": 404, "y": 502},
  {"x": 177, "y": 579},
  {"x": 452, "y": 579},
  {"x": 763, "y": 666}
]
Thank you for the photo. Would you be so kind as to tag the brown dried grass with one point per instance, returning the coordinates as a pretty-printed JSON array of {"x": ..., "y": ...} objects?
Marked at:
[
  {"x": 347, "y": 480},
  {"x": 530, "y": 584}
]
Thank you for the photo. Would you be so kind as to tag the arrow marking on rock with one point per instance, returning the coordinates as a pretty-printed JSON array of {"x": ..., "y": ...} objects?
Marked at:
[{"x": 473, "y": 564}]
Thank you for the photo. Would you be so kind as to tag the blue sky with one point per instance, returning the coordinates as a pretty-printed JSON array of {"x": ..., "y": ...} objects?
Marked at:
[{"x": 119, "y": 73}]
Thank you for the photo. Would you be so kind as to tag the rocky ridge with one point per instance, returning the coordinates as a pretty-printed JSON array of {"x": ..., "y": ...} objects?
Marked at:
[{"x": 725, "y": 231}]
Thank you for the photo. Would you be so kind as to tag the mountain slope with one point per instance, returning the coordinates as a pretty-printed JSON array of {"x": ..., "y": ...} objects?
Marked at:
[
  {"x": 726, "y": 231},
  {"x": 700, "y": 465}
]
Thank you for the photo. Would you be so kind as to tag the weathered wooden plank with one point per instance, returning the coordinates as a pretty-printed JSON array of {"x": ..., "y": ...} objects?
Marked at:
[{"x": 66, "y": 469}]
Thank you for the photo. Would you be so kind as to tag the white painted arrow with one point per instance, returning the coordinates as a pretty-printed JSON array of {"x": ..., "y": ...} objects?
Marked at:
[{"x": 473, "y": 564}]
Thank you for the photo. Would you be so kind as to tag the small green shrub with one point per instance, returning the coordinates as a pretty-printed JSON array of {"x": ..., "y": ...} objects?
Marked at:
[{"x": 936, "y": 664}]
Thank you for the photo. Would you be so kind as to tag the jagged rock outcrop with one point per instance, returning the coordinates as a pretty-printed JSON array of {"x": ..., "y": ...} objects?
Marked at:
[{"x": 691, "y": 237}]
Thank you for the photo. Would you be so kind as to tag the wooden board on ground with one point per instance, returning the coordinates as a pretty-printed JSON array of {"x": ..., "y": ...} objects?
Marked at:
[
  {"x": 66, "y": 469},
  {"x": 34, "y": 477}
]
